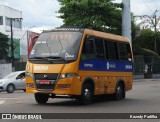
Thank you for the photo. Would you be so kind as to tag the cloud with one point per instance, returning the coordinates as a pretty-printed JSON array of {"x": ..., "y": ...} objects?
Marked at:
[
  {"x": 43, "y": 13},
  {"x": 37, "y": 13},
  {"x": 143, "y": 7}
]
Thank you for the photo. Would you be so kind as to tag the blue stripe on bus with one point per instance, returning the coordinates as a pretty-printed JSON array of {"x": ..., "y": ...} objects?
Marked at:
[{"x": 106, "y": 65}]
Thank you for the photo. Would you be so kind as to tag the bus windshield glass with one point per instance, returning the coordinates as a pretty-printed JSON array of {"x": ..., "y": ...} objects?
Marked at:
[{"x": 57, "y": 46}]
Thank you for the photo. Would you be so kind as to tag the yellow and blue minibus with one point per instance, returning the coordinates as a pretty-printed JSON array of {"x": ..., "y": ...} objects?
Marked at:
[{"x": 79, "y": 63}]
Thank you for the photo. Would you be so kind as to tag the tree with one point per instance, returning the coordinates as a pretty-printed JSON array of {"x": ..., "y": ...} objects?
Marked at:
[
  {"x": 135, "y": 30},
  {"x": 146, "y": 39},
  {"x": 4, "y": 46},
  {"x": 143, "y": 39},
  {"x": 102, "y": 15}
]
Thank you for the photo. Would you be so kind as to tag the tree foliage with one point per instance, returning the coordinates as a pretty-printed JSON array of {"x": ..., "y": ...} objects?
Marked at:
[
  {"x": 4, "y": 46},
  {"x": 135, "y": 30},
  {"x": 158, "y": 41},
  {"x": 102, "y": 15},
  {"x": 146, "y": 39},
  {"x": 143, "y": 40}
]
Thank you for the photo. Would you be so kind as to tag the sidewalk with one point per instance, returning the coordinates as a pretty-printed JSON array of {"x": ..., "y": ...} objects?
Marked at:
[{"x": 145, "y": 80}]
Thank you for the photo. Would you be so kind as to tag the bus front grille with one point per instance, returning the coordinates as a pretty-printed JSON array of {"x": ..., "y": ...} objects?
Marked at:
[{"x": 45, "y": 81}]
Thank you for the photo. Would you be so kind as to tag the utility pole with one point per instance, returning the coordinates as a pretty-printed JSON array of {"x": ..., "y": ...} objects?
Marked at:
[
  {"x": 126, "y": 20},
  {"x": 12, "y": 48},
  {"x": 155, "y": 30},
  {"x": 12, "y": 43}
]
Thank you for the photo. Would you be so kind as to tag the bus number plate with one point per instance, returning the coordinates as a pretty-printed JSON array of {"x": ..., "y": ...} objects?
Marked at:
[{"x": 44, "y": 81}]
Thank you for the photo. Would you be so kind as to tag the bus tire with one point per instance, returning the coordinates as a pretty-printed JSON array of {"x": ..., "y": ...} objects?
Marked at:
[
  {"x": 87, "y": 94},
  {"x": 41, "y": 98},
  {"x": 119, "y": 93}
]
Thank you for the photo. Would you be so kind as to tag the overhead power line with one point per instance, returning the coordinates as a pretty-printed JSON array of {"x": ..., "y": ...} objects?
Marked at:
[
  {"x": 147, "y": 6},
  {"x": 157, "y": 3},
  {"x": 152, "y": 21}
]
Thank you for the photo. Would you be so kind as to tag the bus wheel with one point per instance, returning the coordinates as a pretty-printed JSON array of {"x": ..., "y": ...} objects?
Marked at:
[
  {"x": 87, "y": 94},
  {"x": 41, "y": 98},
  {"x": 119, "y": 93}
]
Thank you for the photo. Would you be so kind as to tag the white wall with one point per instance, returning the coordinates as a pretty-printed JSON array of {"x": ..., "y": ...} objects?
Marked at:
[
  {"x": 5, "y": 69},
  {"x": 6, "y": 11},
  {"x": 20, "y": 34}
]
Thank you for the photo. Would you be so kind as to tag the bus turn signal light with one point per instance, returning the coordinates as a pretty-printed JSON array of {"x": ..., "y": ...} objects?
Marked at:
[{"x": 30, "y": 85}]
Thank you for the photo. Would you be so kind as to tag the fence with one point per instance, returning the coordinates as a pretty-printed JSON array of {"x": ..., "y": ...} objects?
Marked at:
[
  {"x": 146, "y": 65},
  {"x": 20, "y": 66},
  {"x": 139, "y": 65}
]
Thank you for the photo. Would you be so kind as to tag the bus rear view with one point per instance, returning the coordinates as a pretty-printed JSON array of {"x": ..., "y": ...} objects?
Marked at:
[{"x": 75, "y": 63}]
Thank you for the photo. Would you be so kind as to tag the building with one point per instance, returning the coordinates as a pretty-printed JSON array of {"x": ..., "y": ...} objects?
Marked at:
[
  {"x": 8, "y": 15},
  {"x": 23, "y": 39}
]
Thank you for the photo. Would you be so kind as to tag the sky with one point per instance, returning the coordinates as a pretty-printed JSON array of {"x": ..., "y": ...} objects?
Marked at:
[
  {"x": 39, "y": 15},
  {"x": 43, "y": 13}
]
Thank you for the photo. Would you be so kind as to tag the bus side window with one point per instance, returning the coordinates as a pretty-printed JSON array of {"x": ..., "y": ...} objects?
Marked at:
[
  {"x": 99, "y": 48},
  {"x": 111, "y": 50},
  {"x": 88, "y": 49},
  {"x": 124, "y": 52}
]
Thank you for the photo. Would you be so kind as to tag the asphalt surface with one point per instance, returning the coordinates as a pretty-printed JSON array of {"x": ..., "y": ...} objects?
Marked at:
[{"x": 143, "y": 98}]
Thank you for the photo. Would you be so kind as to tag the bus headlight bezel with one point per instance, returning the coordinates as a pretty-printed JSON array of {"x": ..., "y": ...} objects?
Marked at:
[{"x": 68, "y": 75}]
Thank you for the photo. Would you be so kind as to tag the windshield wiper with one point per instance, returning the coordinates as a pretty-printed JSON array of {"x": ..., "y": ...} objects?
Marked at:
[
  {"x": 37, "y": 58},
  {"x": 43, "y": 58},
  {"x": 56, "y": 58}
]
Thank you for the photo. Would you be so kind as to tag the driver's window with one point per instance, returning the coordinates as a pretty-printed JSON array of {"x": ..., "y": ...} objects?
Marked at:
[{"x": 88, "y": 49}]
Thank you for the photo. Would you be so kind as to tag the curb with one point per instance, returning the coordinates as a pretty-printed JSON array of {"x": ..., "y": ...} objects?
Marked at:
[{"x": 145, "y": 80}]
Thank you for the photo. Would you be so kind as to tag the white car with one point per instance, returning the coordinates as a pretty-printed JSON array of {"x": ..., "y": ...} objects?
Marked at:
[{"x": 13, "y": 81}]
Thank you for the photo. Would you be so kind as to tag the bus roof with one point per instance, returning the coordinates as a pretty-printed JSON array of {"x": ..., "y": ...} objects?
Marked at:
[
  {"x": 105, "y": 35},
  {"x": 92, "y": 33}
]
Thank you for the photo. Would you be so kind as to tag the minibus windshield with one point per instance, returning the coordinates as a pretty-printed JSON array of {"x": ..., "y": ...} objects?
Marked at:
[{"x": 57, "y": 46}]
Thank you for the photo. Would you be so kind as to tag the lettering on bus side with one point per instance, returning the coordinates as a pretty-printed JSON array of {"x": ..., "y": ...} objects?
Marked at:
[
  {"x": 110, "y": 65},
  {"x": 88, "y": 65},
  {"x": 128, "y": 66}
]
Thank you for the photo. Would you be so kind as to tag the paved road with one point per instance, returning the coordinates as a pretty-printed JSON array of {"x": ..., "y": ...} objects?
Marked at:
[{"x": 144, "y": 98}]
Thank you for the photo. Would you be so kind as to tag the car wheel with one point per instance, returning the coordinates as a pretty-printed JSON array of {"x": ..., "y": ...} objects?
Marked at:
[
  {"x": 41, "y": 98},
  {"x": 10, "y": 88},
  {"x": 87, "y": 94},
  {"x": 119, "y": 93}
]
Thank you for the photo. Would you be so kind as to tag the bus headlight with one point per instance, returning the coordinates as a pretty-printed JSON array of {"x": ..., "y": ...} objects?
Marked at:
[
  {"x": 68, "y": 75},
  {"x": 29, "y": 74}
]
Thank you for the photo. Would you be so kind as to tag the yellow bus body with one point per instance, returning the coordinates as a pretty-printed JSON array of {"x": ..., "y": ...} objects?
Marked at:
[{"x": 104, "y": 81}]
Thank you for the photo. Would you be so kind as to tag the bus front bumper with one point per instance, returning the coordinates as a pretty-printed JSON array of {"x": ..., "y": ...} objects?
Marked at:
[{"x": 67, "y": 86}]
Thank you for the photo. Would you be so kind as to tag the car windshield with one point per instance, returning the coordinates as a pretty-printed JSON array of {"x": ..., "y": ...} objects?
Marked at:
[
  {"x": 10, "y": 75},
  {"x": 57, "y": 45}
]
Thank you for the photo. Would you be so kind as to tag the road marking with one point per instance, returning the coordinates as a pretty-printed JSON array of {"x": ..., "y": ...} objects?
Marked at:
[
  {"x": 1, "y": 102},
  {"x": 9, "y": 98}
]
